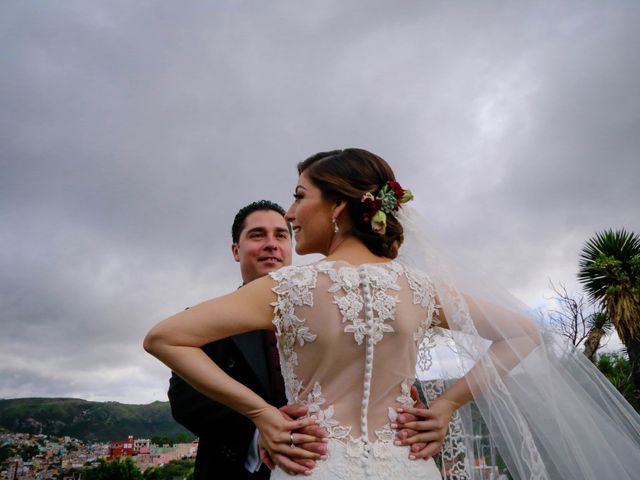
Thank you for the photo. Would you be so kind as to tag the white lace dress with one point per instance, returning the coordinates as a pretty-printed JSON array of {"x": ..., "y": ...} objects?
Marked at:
[{"x": 348, "y": 338}]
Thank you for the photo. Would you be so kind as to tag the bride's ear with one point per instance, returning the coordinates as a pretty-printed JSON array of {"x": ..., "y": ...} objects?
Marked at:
[{"x": 339, "y": 207}]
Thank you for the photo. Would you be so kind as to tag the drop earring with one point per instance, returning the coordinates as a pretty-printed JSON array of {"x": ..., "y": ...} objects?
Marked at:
[{"x": 336, "y": 229}]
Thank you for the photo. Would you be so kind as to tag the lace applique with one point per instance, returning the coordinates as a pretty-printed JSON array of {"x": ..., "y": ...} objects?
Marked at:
[
  {"x": 350, "y": 307},
  {"x": 387, "y": 434},
  {"x": 425, "y": 296},
  {"x": 330, "y": 424},
  {"x": 342, "y": 278},
  {"x": 384, "y": 305},
  {"x": 293, "y": 289},
  {"x": 348, "y": 279},
  {"x": 425, "y": 347},
  {"x": 425, "y": 337},
  {"x": 382, "y": 278},
  {"x": 296, "y": 283},
  {"x": 423, "y": 290}
]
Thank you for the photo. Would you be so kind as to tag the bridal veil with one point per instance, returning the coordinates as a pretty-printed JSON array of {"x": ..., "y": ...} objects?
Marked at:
[{"x": 548, "y": 412}]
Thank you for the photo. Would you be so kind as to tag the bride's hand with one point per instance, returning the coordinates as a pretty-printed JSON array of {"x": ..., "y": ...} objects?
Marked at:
[
  {"x": 431, "y": 427},
  {"x": 278, "y": 438}
]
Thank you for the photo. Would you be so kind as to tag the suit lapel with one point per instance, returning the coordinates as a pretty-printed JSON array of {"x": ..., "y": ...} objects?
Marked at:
[{"x": 251, "y": 346}]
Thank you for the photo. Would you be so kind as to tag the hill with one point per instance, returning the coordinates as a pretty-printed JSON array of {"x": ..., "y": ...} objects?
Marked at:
[{"x": 89, "y": 421}]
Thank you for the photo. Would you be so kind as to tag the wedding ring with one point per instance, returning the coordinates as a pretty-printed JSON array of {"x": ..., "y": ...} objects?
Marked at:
[{"x": 293, "y": 445}]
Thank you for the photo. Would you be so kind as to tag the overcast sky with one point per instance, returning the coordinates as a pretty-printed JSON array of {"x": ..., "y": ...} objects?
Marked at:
[{"x": 131, "y": 132}]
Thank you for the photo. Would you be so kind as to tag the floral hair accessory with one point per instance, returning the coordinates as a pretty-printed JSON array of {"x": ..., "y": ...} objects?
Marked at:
[{"x": 388, "y": 200}]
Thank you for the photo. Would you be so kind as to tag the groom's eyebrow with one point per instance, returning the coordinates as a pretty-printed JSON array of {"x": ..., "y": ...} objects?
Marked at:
[{"x": 256, "y": 230}]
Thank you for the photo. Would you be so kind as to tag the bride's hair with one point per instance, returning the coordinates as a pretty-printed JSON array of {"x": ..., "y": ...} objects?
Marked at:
[{"x": 347, "y": 175}]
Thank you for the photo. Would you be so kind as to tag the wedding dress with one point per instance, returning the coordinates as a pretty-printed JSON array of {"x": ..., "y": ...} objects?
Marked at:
[{"x": 348, "y": 338}]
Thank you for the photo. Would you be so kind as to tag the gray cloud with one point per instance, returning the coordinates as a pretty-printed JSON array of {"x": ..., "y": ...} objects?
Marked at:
[{"x": 131, "y": 133}]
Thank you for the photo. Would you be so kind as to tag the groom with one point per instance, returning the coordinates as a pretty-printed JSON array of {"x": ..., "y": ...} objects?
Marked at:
[{"x": 228, "y": 441}]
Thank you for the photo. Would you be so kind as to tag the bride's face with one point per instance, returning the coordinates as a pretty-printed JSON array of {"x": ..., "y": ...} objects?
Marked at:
[{"x": 310, "y": 216}]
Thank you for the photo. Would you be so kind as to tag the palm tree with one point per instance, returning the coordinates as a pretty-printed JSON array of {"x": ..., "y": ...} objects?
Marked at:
[
  {"x": 610, "y": 273},
  {"x": 599, "y": 327}
]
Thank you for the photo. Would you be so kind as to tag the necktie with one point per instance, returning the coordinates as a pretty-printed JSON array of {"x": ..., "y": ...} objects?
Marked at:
[{"x": 273, "y": 361}]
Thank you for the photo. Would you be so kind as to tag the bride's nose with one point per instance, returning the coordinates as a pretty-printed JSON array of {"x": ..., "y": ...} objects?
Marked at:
[{"x": 289, "y": 216}]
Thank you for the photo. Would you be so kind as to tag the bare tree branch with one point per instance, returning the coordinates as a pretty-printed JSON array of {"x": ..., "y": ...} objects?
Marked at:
[
  {"x": 569, "y": 318},
  {"x": 574, "y": 318}
]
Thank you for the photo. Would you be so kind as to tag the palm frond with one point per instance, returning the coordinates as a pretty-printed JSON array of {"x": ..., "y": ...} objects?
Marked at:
[
  {"x": 610, "y": 274},
  {"x": 600, "y": 321},
  {"x": 610, "y": 260}
]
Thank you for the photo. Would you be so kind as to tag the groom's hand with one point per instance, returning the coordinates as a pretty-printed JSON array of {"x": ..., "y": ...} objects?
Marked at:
[{"x": 292, "y": 412}]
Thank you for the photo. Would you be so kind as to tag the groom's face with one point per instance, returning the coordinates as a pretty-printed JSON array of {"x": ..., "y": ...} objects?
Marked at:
[{"x": 264, "y": 244}]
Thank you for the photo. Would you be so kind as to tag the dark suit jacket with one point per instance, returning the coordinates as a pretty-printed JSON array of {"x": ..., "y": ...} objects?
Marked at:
[{"x": 225, "y": 436}]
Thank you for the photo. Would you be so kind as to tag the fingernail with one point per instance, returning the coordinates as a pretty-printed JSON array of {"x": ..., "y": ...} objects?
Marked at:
[
  {"x": 397, "y": 443},
  {"x": 324, "y": 440},
  {"x": 400, "y": 410},
  {"x": 394, "y": 425},
  {"x": 412, "y": 457},
  {"x": 307, "y": 472}
]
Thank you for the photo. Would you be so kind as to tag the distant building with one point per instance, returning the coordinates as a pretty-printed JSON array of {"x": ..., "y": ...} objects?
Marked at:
[
  {"x": 121, "y": 449},
  {"x": 141, "y": 445},
  {"x": 162, "y": 455}
]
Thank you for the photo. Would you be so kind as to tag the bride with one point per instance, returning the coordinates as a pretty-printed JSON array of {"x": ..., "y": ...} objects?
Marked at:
[{"x": 352, "y": 327}]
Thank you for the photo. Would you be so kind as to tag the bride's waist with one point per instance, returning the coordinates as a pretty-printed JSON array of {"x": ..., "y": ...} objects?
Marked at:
[{"x": 372, "y": 425}]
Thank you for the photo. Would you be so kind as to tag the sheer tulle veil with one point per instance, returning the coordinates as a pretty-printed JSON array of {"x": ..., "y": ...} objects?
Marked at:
[{"x": 546, "y": 409}]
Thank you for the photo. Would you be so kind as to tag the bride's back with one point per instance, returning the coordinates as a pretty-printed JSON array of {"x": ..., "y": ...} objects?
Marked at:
[{"x": 348, "y": 338}]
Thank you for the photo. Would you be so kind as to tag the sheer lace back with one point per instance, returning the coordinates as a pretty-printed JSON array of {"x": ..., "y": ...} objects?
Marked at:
[{"x": 348, "y": 338}]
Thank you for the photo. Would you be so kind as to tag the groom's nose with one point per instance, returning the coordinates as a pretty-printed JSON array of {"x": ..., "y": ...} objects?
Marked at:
[{"x": 271, "y": 243}]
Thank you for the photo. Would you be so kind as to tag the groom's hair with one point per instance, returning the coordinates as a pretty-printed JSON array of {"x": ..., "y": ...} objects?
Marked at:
[{"x": 244, "y": 212}]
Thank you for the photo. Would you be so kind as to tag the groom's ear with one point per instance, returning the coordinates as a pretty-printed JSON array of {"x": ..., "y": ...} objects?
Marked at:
[{"x": 234, "y": 252}]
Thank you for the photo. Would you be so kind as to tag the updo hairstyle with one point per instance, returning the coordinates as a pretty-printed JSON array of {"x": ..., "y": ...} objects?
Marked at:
[{"x": 347, "y": 175}]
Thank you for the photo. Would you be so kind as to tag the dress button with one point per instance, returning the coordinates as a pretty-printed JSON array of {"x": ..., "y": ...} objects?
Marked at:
[{"x": 231, "y": 363}]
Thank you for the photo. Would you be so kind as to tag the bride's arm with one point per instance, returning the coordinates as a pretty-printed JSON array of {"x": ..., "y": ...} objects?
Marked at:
[
  {"x": 512, "y": 335},
  {"x": 176, "y": 341}
]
